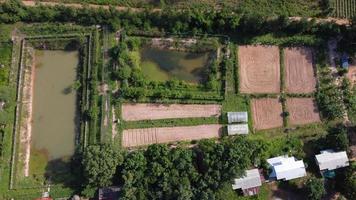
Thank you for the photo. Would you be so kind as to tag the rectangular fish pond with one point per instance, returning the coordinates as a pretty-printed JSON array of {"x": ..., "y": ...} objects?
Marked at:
[
  {"x": 54, "y": 119},
  {"x": 163, "y": 64}
]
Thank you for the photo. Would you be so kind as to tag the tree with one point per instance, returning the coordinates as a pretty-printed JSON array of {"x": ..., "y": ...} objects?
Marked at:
[
  {"x": 337, "y": 138},
  {"x": 99, "y": 165},
  {"x": 315, "y": 188}
]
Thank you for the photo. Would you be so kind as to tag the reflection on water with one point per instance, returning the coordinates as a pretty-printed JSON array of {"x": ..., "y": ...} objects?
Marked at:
[
  {"x": 163, "y": 65},
  {"x": 54, "y": 111}
]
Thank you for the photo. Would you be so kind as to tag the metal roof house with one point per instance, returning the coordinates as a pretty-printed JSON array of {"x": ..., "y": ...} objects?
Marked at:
[
  {"x": 237, "y": 129},
  {"x": 286, "y": 168},
  {"x": 330, "y": 160},
  {"x": 250, "y": 183},
  {"x": 234, "y": 117}
]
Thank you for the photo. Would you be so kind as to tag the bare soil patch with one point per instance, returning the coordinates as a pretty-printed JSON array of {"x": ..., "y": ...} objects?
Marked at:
[
  {"x": 299, "y": 71},
  {"x": 302, "y": 111},
  {"x": 147, "y": 136},
  {"x": 150, "y": 111},
  {"x": 259, "y": 69},
  {"x": 351, "y": 74},
  {"x": 26, "y": 113},
  {"x": 267, "y": 113}
]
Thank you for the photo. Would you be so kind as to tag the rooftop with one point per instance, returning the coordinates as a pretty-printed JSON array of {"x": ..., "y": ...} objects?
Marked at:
[
  {"x": 250, "y": 180},
  {"x": 237, "y": 117},
  {"x": 330, "y": 160},
  {"x": 286, "y": 168},
  {"x": 235, "y": 129}
]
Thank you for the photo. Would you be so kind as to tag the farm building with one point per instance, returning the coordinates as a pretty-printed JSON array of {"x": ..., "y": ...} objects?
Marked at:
[
  {"x": 109, "y": 193},
  {"x": 250, "y": 183},
  {"x": 286, "y": 168},
  {"x": 237, "y": 129},
  {"x": 234, "y": 117},
  {"x": 328, "y": 161}
]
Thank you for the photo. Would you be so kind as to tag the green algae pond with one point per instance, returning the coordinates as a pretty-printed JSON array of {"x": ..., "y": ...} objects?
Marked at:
[
  {"x": 163, "y": 64},
  {"x": 55, "y": 123}
]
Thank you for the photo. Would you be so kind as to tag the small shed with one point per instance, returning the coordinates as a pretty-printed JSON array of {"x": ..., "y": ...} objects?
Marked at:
[
  {"x": 237, "y": 129},
  {"x": 234, "y": 117},
  {"x": 109, "y": 193},
  {"x": 330, "y": 160},
  {"x": 286, "y": 168},
  {"x": 249, "y": 184}
]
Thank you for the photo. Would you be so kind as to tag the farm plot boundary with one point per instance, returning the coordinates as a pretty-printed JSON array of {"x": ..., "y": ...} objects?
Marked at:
[
  {"x": 299, "y": 70},
  {"x": 147, "y": 136},
  {"x": 259, "y": 69},
  {"x": 302, "y": 111},
  {"x": 147, "y": 111}
]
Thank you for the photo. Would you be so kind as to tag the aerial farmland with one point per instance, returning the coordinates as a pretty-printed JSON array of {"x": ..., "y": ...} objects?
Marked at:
[{"x": 177, "y": 100}]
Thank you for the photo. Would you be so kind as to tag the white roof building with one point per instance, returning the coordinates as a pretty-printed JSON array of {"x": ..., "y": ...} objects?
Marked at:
[
  {"x": 249, "y": 183},
  {"x": 250, "y": 180},
  {"x": 237, "y": 129},
  {"x": 233, "y": 117},
  {"x": 330, "y": 160},
  {"x": 286, "y": 168}
]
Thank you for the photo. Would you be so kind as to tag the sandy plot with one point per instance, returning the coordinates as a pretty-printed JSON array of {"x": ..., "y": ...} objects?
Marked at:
[
  {"x": 267, "y": 113},
  {"x": 302, "y": 111},
  {"x": 299, "y": 71},
  {"x": 351, "y": 74},
  {"x": 259, "y": 69},
  {"x": 147, "y": 111},
  {"x": 146, "y": 136}
]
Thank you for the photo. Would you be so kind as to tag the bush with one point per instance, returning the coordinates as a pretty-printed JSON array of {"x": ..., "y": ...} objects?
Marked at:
[{"x": 315, "y": 188}]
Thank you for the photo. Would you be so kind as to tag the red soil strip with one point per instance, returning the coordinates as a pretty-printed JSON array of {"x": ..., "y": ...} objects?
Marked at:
[
  {"x": 147, "y": 111},
  {"x": 267, "y": 113},
  {"x": 351, "y": 75},
  {"x": 299, "y": 71},
  {"x": 259, "y": 69},
  {"x": 147, "y": 136},
  {"x": 302, "y": 111}
]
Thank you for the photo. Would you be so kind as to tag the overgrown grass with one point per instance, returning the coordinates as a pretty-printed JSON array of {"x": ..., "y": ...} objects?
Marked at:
[{"x": 170, "y": 122}]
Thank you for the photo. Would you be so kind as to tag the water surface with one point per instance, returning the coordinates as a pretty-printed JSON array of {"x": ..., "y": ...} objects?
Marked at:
[
  {"x": 162, "y": 64},
  {"x": 54, "y": 107}
]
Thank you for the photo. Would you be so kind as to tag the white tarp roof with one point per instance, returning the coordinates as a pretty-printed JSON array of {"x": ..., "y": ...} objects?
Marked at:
[
  {"x": 237, "y": 129},
  {"x": 286, "y": 168},
  {"x": 237, "y": 117},
  {"x": 332, "y": 160},
  {"x": 250, "y": 180}
]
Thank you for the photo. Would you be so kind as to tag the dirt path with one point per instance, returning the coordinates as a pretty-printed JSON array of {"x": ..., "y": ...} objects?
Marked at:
[
  {"x": 26, "y": 115},
  {"x": 77, "y": 5}
]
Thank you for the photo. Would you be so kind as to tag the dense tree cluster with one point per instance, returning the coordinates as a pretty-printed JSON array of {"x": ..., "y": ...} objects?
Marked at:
[
  {"x": 329, "y": 96},
  {"x": 315, "y": 188},
  {"x": 196, "y": 19},
  {"x": 165, "y": 172}
]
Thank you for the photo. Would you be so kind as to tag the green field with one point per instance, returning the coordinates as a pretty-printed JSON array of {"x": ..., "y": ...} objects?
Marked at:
[{"x": 344, "y": 8}]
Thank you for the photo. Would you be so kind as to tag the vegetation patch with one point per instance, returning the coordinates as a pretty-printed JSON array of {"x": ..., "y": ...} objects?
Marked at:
[{"x": 176, "y": 64}]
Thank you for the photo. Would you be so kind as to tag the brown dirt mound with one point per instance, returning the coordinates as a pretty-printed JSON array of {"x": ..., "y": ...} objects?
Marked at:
[
  {"x": 147, "y": 111},
  {"x": 302, "y": 111},
  {"x": 267, "y": 113},
  {"x": 146, "y": 136},
  {"x": 259, "y": 69},
  {"x": 299, "y": 71},
  {"x": 352, "y": 74}
]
